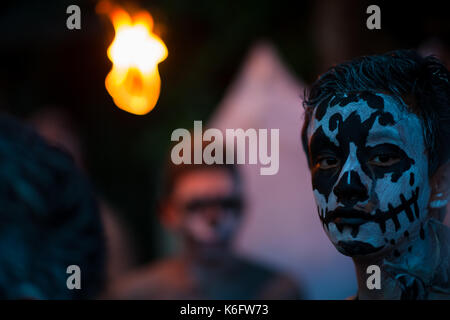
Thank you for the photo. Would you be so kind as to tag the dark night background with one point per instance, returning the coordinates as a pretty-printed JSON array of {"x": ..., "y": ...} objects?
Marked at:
[{"x": 45, "y": 64}]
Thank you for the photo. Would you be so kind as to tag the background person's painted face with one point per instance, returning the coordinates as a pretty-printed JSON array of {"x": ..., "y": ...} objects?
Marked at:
[
  {"x": 209, "y": 206},
  {"x": 369, "y": 172}
]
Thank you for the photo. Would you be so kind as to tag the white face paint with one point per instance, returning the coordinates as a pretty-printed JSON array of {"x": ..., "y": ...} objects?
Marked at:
[{"x": 369, "y": 172}]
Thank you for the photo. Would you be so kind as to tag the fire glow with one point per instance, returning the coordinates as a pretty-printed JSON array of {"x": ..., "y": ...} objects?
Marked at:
[{"x": 133, "y": 82}]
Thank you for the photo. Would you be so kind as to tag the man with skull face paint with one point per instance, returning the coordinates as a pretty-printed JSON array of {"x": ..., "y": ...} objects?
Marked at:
[{"x": 376, "y": 133}]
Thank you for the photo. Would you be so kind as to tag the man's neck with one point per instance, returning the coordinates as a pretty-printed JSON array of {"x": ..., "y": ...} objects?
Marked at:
[{"x": 410, "y": 256}]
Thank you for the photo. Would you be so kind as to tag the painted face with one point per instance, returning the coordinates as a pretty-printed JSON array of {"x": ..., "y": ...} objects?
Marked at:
[
  {"x": 209, "y": 207},
  {"x": 369, "y": 172}
]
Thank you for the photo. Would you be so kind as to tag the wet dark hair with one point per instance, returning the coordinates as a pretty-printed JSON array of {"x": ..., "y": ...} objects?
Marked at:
[
  {"x": 421, "y": 82},
  {"x": 49, "y": 220}
]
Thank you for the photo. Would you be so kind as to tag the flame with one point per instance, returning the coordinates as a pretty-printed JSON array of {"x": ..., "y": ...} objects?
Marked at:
[{"x": 133, "y": 82}]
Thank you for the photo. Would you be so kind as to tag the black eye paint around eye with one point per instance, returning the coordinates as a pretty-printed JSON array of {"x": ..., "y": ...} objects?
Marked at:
[
  {"x": 385, "y": 152},
  {"x": 323, "y": 180},
  {"x": 397, "y": 162},
  {"x": 321, "y": 147},
  {"x": 326, "y": 161},
  {"x": 384, "y": 159}
]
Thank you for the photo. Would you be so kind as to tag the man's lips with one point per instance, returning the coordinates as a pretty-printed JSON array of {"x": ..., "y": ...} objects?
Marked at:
[
  {"x": 350, "y": 221},
  {"x": 349, "y": 216}
]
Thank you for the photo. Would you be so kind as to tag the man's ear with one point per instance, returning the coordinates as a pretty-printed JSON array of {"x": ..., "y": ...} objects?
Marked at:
[{"x": 440, "y": 191}]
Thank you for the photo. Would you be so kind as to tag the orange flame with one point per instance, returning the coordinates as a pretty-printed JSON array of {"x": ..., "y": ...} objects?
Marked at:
[{"x": 133, "y": 82}]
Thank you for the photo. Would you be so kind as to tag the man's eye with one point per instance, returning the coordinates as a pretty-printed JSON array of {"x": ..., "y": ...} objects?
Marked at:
[
  {"x": 384, "y": 160},
  {"x": 327, "y": 163}
]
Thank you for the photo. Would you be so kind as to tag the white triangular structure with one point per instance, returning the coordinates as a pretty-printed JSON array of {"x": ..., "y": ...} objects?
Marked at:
[{"x": 281, "y": 227}]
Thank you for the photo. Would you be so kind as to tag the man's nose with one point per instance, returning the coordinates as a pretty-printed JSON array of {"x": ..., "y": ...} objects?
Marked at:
[
  {"x": 213, "y": 215},
  {"x": 350, "y": 190}
]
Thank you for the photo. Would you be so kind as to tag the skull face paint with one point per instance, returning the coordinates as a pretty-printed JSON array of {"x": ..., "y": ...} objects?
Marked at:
[
  {"x": 208, "y": 207},
  {"x": 369, "y": 172}
]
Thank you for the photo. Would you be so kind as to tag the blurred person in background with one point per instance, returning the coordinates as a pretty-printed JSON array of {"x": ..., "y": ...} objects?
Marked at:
[
  {"x": 50, "y": 220},
  {"x": 57, "y": 126},
  {"x": 203, "y": 204}
]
